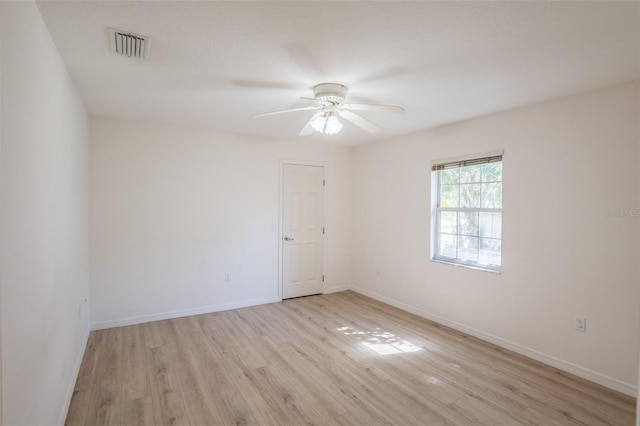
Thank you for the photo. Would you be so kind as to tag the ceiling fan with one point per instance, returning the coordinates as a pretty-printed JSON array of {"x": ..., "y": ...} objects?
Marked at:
[{"x": 329, "y": 99}]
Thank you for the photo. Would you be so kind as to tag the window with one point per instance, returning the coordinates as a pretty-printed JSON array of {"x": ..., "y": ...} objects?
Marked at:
[{"x": 468, "y": 212}]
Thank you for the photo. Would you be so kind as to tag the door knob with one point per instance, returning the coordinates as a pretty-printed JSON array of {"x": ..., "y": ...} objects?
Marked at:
[{"x": 288, "y": 239}]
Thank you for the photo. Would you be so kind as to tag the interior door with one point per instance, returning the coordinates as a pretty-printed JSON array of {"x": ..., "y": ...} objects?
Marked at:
[{"x": 302, "y": 230}]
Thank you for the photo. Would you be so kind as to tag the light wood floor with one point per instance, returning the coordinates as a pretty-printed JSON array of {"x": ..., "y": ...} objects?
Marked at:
[{"x": 338, "y": 359}]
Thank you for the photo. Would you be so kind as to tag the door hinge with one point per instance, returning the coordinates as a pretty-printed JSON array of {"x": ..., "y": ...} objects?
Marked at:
[
  {"x": 323, "y": 278},
  {"x": 322, "y": 231},
  {"x": 324, "y": 182}
]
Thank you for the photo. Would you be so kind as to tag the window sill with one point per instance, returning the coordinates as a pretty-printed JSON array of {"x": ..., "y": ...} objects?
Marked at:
[{"x": 462, "y": 265}]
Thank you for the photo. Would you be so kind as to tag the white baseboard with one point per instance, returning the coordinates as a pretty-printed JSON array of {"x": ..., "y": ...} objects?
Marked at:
[
  {"x": 337, "y": 289},
  {"x": 180, "y": 313},
  {"x": 74, "y": 377},
  {"x": 585, "y": 373}
]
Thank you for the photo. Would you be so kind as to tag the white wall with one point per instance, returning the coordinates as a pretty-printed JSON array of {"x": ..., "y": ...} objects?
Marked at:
[
  {"x": 173, "y": 209},
  {"x": 44, "y": 220},
  {"x": 565, "y": 163}
]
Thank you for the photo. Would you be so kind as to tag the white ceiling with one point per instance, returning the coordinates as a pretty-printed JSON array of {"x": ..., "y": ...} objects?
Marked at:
[{"x": 215, "y": 64}]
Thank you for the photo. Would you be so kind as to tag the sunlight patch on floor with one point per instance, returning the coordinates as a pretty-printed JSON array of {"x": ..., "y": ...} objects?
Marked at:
[
  {"x": 382, "y": 342},
  {"x": 432, "y": 380}
]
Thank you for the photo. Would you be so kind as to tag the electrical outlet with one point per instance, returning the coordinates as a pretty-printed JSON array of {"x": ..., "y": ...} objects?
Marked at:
[
  {"x": 227, "y": 277},
  {"x": 581, "y": 324}
]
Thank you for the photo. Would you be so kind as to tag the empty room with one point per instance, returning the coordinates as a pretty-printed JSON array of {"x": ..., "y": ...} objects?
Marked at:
[{"x": 319, "y": 213}]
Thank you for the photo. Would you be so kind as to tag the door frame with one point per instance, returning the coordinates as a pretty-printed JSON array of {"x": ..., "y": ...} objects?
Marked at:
[{"x": 281, "y": 215}]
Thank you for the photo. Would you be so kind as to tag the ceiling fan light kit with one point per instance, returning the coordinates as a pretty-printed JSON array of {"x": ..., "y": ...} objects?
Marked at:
[
  {"x": 330, "y": 97},
  {"x": 326, "y": 123}
]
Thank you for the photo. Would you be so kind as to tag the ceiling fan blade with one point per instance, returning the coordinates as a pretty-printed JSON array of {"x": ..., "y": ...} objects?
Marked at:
[
  {"x": 372, "y": 107},
  {"x": 308, "y": 129},
  {"x": 359, "y": 121},
  {"x": 288, "y": 110}
]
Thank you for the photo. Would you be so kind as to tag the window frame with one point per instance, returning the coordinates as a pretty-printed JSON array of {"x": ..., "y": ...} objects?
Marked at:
[{"x": 436, "y": 168}]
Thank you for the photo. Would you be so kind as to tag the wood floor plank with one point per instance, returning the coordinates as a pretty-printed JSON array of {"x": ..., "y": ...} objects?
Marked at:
[
  {"x": 298, "y": 409},
  {"x": 137, "y": 412},
  {"x": 193, "y": 386},
  {"x": 109, "y": 366},
  {"x": 250, "y": 354},
  {"x": 336, "y": 359},
  {"x": 266, "y": 406},
  {"x": 536, "y": 416},
  {"x": 104, "y": 406},
  {"x": 90, "y": 357},
  {"x": 135, "y": 380},
  {"x": 347, "y": 419},
  {"x": 476, "y": 412},
  {"x": 167, "y": 402},
  {"x": 77, "y": 414},
  {"x": 345, "y": 392},
  {"x": 154, "y": 332},
  {"x": 233, "y": 408},
  {"x": 307, "y": 385},
  {"x": 197, "y": 400},
  {"x": 278, "y": 329},
  {"x": 241, "y": 320},
  {"x": 219, "y": 342},
  {"x": 408, "y": 407}
]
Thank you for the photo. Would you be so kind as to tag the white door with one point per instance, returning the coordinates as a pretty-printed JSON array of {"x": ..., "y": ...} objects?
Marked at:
[{"x": 302, "y": 230}]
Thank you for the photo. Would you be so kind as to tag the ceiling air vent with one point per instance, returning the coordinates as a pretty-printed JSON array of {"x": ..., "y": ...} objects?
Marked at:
[{"x": 128, "y": 44}]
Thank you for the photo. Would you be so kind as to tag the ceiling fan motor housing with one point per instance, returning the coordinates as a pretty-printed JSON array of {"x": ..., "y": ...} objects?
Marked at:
[{"x": 330, "y": 92}]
